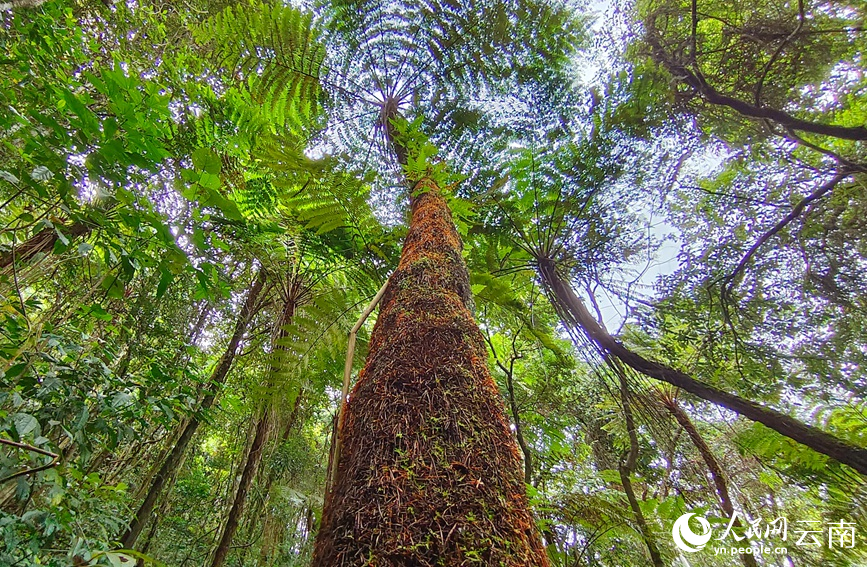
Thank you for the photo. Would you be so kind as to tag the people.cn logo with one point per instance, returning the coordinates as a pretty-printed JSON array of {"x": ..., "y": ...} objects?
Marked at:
[{"x": 687, "y": 540}]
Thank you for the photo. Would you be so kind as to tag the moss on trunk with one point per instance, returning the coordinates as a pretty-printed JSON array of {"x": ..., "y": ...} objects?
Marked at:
[{"x": 429, "y": 473}]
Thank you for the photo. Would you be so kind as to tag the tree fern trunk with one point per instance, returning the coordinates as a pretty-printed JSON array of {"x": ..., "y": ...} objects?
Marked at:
[
  {"x": 264, "y": 425},
  {"x": 575, "y": 315},
  {"x": 429, "y": 473},
  {"x": 42, "y": 241},
  {"x": 175, "y": 457},
  {"x": 713, "y": 466}
]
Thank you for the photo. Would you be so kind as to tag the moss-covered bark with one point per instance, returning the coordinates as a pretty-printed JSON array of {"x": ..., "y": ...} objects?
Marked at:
[{"x": 429, "y": 473}]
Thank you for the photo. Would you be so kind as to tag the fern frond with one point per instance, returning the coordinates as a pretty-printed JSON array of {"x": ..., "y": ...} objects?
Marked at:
[
  {"x": 336, "y": 200},
  {"x": 272, "y": 51}
]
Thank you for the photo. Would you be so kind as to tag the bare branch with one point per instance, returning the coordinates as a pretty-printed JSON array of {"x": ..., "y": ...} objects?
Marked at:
[
  {"x": 795, "y": 213},
  {"x": 778, "y": 51},
  {"x": 713, "y": 96}
]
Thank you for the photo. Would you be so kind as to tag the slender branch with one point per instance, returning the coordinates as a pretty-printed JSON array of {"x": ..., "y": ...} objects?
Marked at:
[
  {"x": 710, "y": 460},
  {"x": 694, "y": 35},
  {"x": 509, "y": 371},
  {"x": 27, "y": 447},
  {"x": 713, "y": 96},
  {"x": 854, "y": 167},
  {"x": 627, "y": 467},
  {"x": 55, "y": 458},
  {"x": 575, "y": 315},
  {"x": 795, "y": 213},
  {"x": 347, "y": 374},
  {"x": 778, "y": 51}
]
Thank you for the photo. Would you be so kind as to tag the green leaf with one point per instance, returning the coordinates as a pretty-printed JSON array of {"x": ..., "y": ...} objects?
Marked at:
[
  {"x": 97, "y": 311},
  {"x": 226, "y": 206},
  {"x": 41, "y": 173},
  {"x": 210, "y": 181},
  {"x": 8, "y": 177},
  {"x": 113, "y": 287},
  {"x": 88, "y": 121},
  {"x": 61, "y": 237},
  {"x": 166, "y": 278},
  {"x": 610, "y": 475},
  {"x": 15, "y": 370},
  {"x": 25, "y": 423},
  {"x": 205, "y": 159}
]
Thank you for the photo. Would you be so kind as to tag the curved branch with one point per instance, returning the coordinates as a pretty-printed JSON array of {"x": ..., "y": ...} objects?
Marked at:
[
  {"x": 795, "y": 213},
  {"x": 344, "y": 394},
  {"x": 626, "y": 468},
  {"x": 575, "y": 314},
  {"x": 778, "y": 52},
  {"x": 713, "y": 96},
  {"x": 55, "y": 458}
]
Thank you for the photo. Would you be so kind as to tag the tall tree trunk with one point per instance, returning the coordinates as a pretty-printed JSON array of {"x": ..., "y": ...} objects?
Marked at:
[
  {"x": 264, "y": 424},
  {"x": 575, "y": 315},
  {"x": 43, "y": 241},
  {"x": 175, "y": 457},
  {"x": 428, "y": 472},
  {"x": 251, "y": 467},
  {"x": 713, "y": 466},
  {"x": 269, "y": 533},
  {"x": 627, "y": 467}
]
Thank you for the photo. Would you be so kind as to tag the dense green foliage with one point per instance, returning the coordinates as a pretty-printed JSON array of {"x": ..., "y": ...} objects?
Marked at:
[{"x": 694, "y": 169}]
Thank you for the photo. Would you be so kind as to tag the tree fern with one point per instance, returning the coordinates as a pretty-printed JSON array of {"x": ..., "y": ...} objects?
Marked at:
[
  {"x": 274, "y": 51},
  {"x": 455, "y": 63}
]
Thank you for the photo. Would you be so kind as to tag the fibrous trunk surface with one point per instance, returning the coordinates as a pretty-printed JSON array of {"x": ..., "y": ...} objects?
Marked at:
[{"x": 428, "y": 473}]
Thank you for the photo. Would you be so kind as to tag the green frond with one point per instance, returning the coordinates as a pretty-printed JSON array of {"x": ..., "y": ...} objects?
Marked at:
[
  {"x": 316, "y": 334},
  {"x": 335, "y": 200},
  {"x": 273, "y": 52},
  {"x": 256, "y": 198}
]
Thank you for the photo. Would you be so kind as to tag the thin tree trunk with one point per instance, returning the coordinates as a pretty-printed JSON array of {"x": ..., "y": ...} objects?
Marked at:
[
  {"x": 428, "y": 473},
  {"x": 264, "y": 425},
  {"x": 43, "y": 241},
  {"x": 713, "y": 466},
  {"x": 575, "y": 315},
  {"x": 251, "y": 467},
  {"x": 262, "y": 510},
  {"x": 519, "y": 432},
  {"x": 509, "y": 371},
  {"x": 175, "y": 457},
  {"x": 626, "y": 468}
]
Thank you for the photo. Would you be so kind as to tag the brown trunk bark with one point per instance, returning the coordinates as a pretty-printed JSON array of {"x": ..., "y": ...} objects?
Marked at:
[
  {"x": 713, "y": 466},
  {"x": 626, "y": 468},
  {"x": 42, "y": 241},
  {"x": 175, "y": 457},
  {"x": 575, "y": 315},
  {"x": 261, "y": 510},
  {"x": 251, "y": 467},
  {"x": 428, "y": 473},
  {"x": 264, "y": 424}
]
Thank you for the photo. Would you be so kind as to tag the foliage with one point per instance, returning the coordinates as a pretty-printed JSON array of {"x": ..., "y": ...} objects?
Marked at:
[{"x": 155, "y": 156}]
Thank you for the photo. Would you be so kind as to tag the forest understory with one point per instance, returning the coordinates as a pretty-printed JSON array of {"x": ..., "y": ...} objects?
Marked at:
[{"x": 433, "y": 283}]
